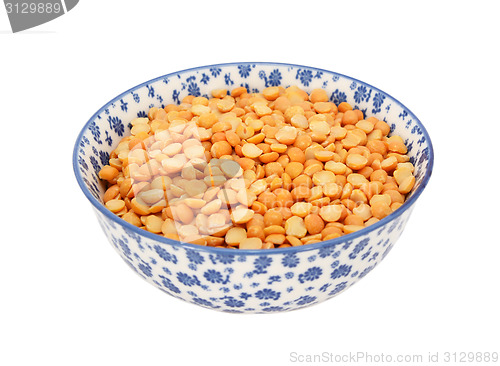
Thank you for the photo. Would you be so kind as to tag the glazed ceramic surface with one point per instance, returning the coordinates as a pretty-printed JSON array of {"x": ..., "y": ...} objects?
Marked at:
[{"x": 247, "y": 281}]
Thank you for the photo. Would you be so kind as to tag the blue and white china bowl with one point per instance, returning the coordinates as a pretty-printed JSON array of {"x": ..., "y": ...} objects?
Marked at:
[{"x": 247, "y": 281}]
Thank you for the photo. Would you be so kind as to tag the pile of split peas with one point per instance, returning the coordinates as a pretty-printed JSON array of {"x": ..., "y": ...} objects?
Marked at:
[{"x": 257, "y": 170}]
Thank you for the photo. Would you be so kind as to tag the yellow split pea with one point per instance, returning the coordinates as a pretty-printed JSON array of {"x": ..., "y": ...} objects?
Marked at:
[{"x": 264, "y": 170}]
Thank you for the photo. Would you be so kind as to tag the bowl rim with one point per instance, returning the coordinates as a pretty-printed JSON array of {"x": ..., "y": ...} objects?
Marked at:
[{"x": 289, "y": 250}]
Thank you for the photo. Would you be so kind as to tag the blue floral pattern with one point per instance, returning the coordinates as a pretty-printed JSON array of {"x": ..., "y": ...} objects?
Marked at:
[
  {"x": 267, "y": 294},
  {"x": 244, "y": 70},
  {"x": 290, "y": 260},
  {"x": 274, "y": 78},
  {"x": 246, "y": 281},
  {"x": 213, "y": 276},
  {"x": 311, "y": 274}
]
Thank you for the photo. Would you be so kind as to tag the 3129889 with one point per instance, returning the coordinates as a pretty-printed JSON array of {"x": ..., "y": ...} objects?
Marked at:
[
  {"x": 33, "y": 8},
  {"x": 471, "y": 357}
]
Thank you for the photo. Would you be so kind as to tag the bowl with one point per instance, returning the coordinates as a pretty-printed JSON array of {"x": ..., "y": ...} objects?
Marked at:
[{"x": 248, "y": 281}]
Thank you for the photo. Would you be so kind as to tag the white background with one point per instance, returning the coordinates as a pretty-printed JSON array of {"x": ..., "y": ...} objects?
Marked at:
[{"x": 66, "y": 298}]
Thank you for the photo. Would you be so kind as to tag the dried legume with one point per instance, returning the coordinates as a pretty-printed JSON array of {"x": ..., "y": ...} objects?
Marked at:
[{"x": 257, "y": 170}]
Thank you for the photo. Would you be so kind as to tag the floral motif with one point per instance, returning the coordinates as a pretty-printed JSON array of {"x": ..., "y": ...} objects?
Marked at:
[
  {"x": 311, "y": 274},
  {"x": 108, "y": 138},
  {"x": 339, "y": 287},
  {"x": 365, "y": 272},
  {"x": 204, "y": 302},
  {"x": 125, "y": 249},
  {"x": 116, "y": 125},
  {"x": 123, "y": 105},
  {"x": 146, "y": 269},
  {"x": 273, "y": 309},
  {"x": 95, "y": 131},
  {"x": 358, "y": 248},
  {"x": 222, "y": 258},
  {"x": 326, "y": 251},
  {"x": 82, "y": 163},
  {"x": 273, "y": 279},
  {"x": 304, "y": 300},
  {"x": 227, "y": 79},
  {"x": 338, "y": 97},
  {"x": 261, "y": 263},
  {"x": 234, "y": 303},
  {"x": 166, "y": 256},
  {"x": 193, "y": 89},
  {"x": 245, "y": 296},
  {"x": 244, "y": 70},
  {"x": 267, "y": 294},
  {"x": 378, "y": 100},
  {"x": 175, "y": 96},
  {"x": 103, "y": 157},
  {"x": 95, "y": 164},
  {"x": 305, "y": 76},
  {"x": 362, "y": 94},
  {"x": 169, "y": 285},
  {"x": 194, "y": 256},
  {"x": 213, "y": 276},
  {"x": 290, "y": 260},
  {"x": 136, "y": 97},
  {"x": 275, "y": 78},
  {"x": 215, "y": 71},
  {"x": 151, "y": 91},
  {"x": 187, "y": 280},
  {"x": 204, "y": 79},
  {"x": 341, "y": 271}
]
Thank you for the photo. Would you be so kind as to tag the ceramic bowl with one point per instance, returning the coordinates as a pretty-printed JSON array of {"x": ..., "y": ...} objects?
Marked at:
[{"x": 247, "y": 281}]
